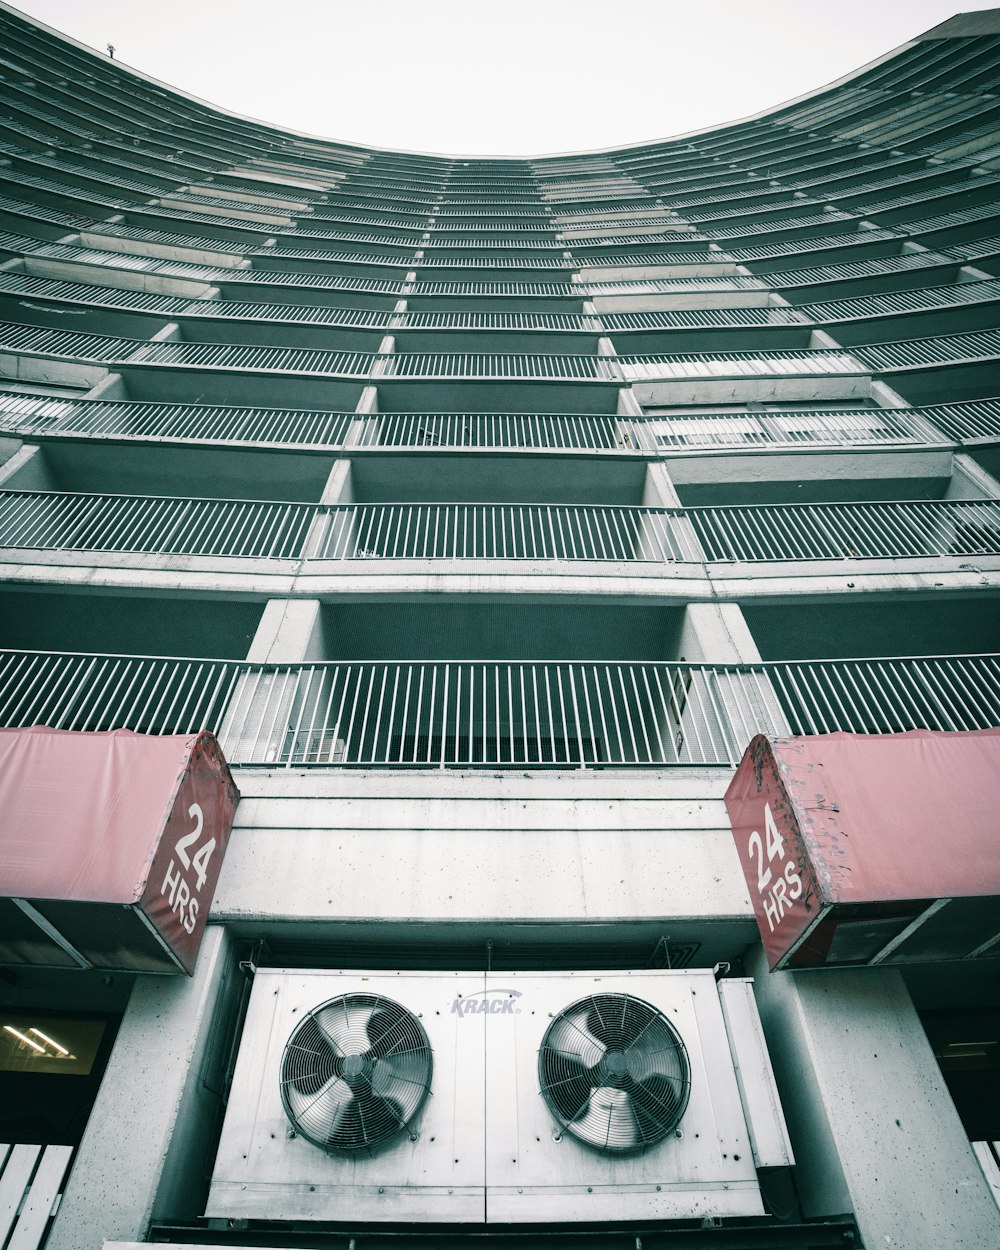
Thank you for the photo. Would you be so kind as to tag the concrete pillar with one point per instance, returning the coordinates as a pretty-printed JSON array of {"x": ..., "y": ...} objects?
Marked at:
[
  {"x": 27, "y": 469},
  {"x": 872, "y": 1124},
  {"x": 334, "y": 532},
  {"x": 742, "y": 704},
  {"x": 266, "y": 706},
  {"x": 716, "y": 633},
  {"x": 111, "y": 387},
  {"x": 969, "y": 480},
  {"x": 149, "y": 1140},
  {"x": 290, "y": 631}
]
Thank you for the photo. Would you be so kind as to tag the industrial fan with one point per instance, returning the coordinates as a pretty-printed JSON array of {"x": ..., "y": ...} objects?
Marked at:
[
  {"x": 614, "y": 1072},
  {"x": 355, "y": 1072}
]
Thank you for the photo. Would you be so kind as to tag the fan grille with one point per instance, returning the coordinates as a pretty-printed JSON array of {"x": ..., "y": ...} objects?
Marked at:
[
  {"x": 355, "y": 1072},
  {"x": 614, "y": 1072}
]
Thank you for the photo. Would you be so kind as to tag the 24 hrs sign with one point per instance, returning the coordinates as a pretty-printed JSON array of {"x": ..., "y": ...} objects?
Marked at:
[
  {"x": 186, "y": 876},
  {"x": 778, "y": 882},
  {"x": 184, "y": 872}
]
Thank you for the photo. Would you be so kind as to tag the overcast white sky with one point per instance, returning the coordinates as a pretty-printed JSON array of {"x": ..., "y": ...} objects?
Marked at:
[{"x": 510, "y": 77}]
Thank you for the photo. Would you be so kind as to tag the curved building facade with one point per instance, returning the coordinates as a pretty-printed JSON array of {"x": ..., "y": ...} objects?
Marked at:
[{"x": 485, "y": 510}]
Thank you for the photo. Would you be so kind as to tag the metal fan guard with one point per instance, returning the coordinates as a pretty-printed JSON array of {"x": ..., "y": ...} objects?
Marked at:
[
  {"x": 299, "y": 1053},
  {"x": 626, "y": 1019}
]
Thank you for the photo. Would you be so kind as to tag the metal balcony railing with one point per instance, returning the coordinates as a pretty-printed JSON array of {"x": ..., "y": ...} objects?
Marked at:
[
  {"x": 654, "y": 368},
  {"x": 518, "y": 532},
  {"x": 153, "y": 524},
  {"x": 492, "y": 713},
  {"x": 173, "y": 306},
  {"x": 919, "y": 353},
  {"x": 827, "y": 242},
  {"x": 32, "y": 416},
  {"x": 226, "y": 528},
  {"x": 109, "y": 349},
  {"x": 848, "y": 531}
]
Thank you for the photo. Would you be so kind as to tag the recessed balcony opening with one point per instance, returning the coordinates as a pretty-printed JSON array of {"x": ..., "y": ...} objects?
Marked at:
[
  {"x": 461, "y": 684},
  {"x": 829, "y": 477},
  {"x": 349, "y": 264},
  {"x": 38, "y": 311},
  {"x": 436, "y": 269},
  {"x": 957, "y": 625},
  {"x": 186, "y": 384},
  {"x": 953, "y": 318},
  {"x": 335, "y": 333},
  {"x": 426, "y": 298},
  {"x": 174, "y": 625},
  {"x": 532, "y": 391},
  {"x": 959, "y": 379},
  {"x": 540, "y": 333},
  {"x": 770, "y": 334},
  {"x": 521, "y": 478},
  {"x": 468, "y": 631},
  {"x": 318, "y": 296},
  {"x": 987, "y": 458},
  {"x": 130, "y": 468}
]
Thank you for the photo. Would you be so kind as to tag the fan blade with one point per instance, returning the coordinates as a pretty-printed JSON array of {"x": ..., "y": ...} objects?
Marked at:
[
  {"x": 571, "y": 1038},
  {"x": 658, "y": 1103},
  {"x": 402, "y": 1078},
  {"x": 656, "y": 1052},
  {"x": 567, "y": 1084},
  {"x": 616, "y": 1019},
  {"x": 367, "y": 1119},
  {"x": 314, "y": 1110},
  {"x": 608, "y": 1120},
  {"x": 392, "y": 1031},
  {"x": 344, "y": 1025}
]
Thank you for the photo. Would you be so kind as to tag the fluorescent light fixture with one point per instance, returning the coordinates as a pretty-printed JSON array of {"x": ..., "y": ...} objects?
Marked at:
[
  {"x": 45, "y": 1038},
  {"x": 22, "y": 1038}
]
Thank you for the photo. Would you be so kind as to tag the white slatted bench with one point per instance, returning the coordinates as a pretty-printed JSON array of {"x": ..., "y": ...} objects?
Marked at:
[{"x": 30, "y": 1177}]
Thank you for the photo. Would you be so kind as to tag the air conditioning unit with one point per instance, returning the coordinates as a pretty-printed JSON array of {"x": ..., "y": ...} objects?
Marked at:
[{"x": 502, "y": 1098}]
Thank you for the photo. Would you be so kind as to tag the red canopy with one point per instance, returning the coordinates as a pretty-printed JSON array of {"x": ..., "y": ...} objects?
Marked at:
[
  {"x": 94, "y": 823},
  {"x": 870, "y": 847}
]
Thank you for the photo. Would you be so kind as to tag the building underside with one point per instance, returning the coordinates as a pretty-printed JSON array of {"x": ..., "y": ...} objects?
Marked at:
[{"x": 485, "y": 510}]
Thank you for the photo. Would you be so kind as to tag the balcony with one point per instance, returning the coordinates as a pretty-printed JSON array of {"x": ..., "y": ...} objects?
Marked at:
[
  {"x": 495, "y": 714},
  {"x": 696, "y": 433},
  {"x": 52, "y": 418},
  {"x": 276, "y": 548}
]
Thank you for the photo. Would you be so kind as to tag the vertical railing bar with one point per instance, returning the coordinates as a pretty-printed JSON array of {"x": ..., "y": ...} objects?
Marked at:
[
  {"x": 378, "y": 711},
  {"x": 458, "y": 712},
  {"x": 444, "y": 715},
  {"x": 642, "y": 719},
  {"x": 562, "y": 715},
  {"x": 430, "y": 714},
  {"x": 355, "y": 675},
  {"x": 576, "y": 716}
]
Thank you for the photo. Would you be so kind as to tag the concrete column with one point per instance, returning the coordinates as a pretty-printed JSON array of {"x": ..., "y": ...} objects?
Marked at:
[
  {"x": 27, "y": 469},
  {"x": 290, "y": 631},
  {"x": 111, "y": 387},
  {"x": 334, "y": 531},
  {"x": 266, "y": 706},
  {"x": 716, "y": 633},
  {"x": 743, "y": 703},
  {"x": 969, "y": 480},
  {"x": 872, "y": 1124},
  {"x": 149, "y": 1140}
]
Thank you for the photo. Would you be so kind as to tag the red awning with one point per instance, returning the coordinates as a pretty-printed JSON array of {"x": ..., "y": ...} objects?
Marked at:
[
  {"x": 861, "y": 848},
  {"x": 110, "y": 846}
]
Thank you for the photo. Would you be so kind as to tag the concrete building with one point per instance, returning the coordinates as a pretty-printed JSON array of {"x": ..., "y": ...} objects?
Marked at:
[{"x": 486, "y": 509}]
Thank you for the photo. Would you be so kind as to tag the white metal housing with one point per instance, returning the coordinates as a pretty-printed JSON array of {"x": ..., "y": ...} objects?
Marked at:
[{"x": 485, "y": 1147}]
